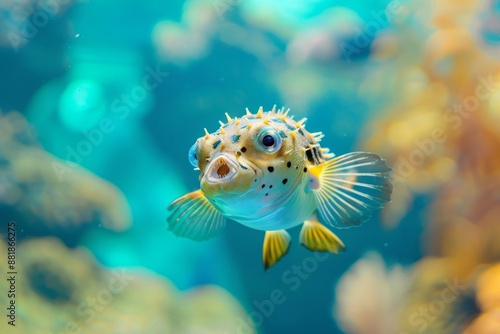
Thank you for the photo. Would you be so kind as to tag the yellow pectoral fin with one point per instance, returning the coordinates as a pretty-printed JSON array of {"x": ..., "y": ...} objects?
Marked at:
[
  {"x": 316, "y": 237},
  {"x": 194, "y": 217},
  {"x": 276, "y": 244},
  {"x": 349, "y": 188}
]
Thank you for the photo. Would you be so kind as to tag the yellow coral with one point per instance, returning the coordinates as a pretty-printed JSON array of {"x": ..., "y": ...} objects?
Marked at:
[
  {"x": 488, "y": 299},
  {"x": 440, "y": 126},
  {"x": 61, "y": 289}
]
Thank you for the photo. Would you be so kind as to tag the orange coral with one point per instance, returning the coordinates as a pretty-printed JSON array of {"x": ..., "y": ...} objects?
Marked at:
[
  {"x": 442, "y": 136},
  {"x": 488, "y": 299},
  {"x": 441, "y": 129}
]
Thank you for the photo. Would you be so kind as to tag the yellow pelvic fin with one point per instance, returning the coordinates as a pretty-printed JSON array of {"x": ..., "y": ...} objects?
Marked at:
[
  {"x": 276, "y": 244},
  {"x": 316, "y": 237},
  {"x": 194, "y": 217}
]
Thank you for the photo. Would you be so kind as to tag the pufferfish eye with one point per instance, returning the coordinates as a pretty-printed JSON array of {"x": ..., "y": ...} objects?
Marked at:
[
  {"x": 269, "y": 140},
  {"x": 193, "y": 159}
]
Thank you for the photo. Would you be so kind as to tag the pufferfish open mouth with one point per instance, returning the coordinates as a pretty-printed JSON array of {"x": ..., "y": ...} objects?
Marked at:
[{"x": 221, "y": 169}]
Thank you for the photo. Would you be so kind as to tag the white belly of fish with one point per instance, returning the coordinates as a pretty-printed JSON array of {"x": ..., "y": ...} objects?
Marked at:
[{"x": 297, "y": 208}]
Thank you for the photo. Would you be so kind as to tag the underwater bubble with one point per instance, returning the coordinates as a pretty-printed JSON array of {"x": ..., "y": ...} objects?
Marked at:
[{"x": 82, "y": 105}]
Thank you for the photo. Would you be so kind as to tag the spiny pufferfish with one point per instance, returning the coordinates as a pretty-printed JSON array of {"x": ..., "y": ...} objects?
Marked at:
[{"x": 267, "y": 172}]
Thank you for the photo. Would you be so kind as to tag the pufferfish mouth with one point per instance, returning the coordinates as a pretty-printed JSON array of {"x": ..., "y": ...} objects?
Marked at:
[{"x": 221, "y": 169}]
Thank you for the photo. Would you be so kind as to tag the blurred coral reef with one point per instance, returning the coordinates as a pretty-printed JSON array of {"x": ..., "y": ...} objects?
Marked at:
[
  {"x": 66, "y": 290},
  {"x": 430, "y": 297},
  {"x": 488, "y": 300},
  {"x": 19, "y": 22},
  {"x": 372, "y": 292},
  {"x": 441, "y": 134},
  {"x": 190, "y": 39},
  {"x": 43, "y": 189},
  {"x": 417, "y": 82},
  {"x": 440, "y": 131}
]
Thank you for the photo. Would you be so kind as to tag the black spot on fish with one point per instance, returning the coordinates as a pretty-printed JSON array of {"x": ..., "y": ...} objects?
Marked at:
[
  {"x": 216, "y": 143},
  {"x": 235, "y": 138},
  {"x": 267, "y": 194},
  {"x": 270, "y": 169},
  {"x": 305, "y": 169},
  {"x": 289, "y": 164},
  {"x": 285, "y": 181},
  {"x": 263, "y": 185},
  {"x": 271, "y": 186},
  {"x": 282, "y": 134},
  {"x": 255, "y": 180},
  {"x": 309, "y": 155},
  {"x": 243, "y": 149},
  {"x": 301, "y": 132}
]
